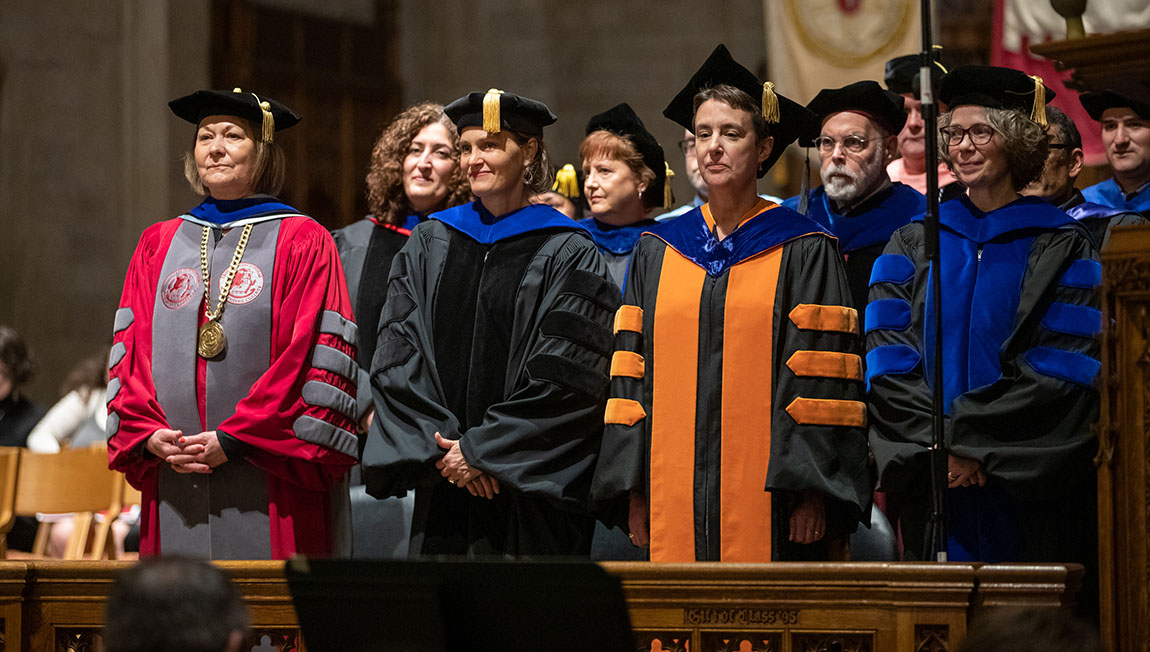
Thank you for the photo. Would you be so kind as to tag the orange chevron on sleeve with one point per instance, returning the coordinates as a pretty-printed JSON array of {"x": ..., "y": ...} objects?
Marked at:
[
  {"x": 815, "y": 317},
  {"x": 627, "y": 363},
  {"x": 623, "y": 412},
  {"x": 826, "y": 364},
  {"x": 827, "y": 412},
  {"x": 629, "y": 318}
]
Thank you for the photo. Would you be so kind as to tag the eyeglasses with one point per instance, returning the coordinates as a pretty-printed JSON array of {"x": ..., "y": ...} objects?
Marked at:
[
  {"x": 852, "y": 143},
  {"x": 686, "y": 145},
  {"x": 980, "y": 134}
]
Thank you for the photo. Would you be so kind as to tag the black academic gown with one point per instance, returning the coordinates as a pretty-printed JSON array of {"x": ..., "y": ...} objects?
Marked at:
[
  {"x": 1021, "y": 356},
  {"x": 736, "y": 385},
  {"x": 496, "y": 331}
]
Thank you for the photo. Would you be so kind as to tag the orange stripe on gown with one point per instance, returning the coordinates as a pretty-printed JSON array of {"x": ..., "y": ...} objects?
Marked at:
[
  {"x": 748, "y": 338},
  {"x": 676, "y": 354}
]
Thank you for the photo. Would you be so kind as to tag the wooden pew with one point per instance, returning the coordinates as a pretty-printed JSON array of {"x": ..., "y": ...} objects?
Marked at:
[{"x": 861, "y": 607}]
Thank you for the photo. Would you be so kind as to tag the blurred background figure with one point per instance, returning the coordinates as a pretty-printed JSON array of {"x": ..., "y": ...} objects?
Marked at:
[
  {"x": 902, "y": 77},
  {"x": 175, "y": 605},
  {"x": 80, "y": 417},
  {"x": 414, "y": 172},
  {"x": 1126, "y": 139},
  {"x": 564, "y": 194},
  {"x": 18, "y": 414},
  {"x": 691, "y": 168}
]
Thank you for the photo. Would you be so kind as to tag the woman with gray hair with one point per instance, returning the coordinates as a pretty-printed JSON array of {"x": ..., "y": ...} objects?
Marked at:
[
  {"x": 1020, "y": 354},
  {"x": 490, "y": 373}
]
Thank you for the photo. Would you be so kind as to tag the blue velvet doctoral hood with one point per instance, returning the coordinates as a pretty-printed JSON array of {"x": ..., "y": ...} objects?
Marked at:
[
  {"x": 691, "y": 236},
  {"x": 1089, "y": 210},
  {"x": 616, "y": 239},
  {"x": 475, "y": 221},
  {"x": 984, "y": 261},
  {"x": 869, "y": 223},
  {"x": 1109, "y": 194},
  {"x": 221, "y": 212}
]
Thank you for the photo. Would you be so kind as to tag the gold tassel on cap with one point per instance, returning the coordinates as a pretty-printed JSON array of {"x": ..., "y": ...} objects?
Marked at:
[
  {"x": 269, "y": 130},
  {"x": 491, "y": 119},
  {"x": 566, "y": 182},
  {"x": 1038, "y": 113},
  {"x": 668, "y": 198},
  {"x": 770, "y": 103}
]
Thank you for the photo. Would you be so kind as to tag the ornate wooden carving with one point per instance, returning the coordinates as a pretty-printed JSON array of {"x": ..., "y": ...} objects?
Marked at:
[
  {"x": 832, "y": 642},
  {"x": 1124, "y": 453},
  {"x": 741, "y": 642},
  {"x": 1093, "y": 60},
  {"x": 276, "y": 639},
  {"x": 79, "y": 639},
  {"x": 662, "y": 641},
  {"x": 931, "y": 638}
]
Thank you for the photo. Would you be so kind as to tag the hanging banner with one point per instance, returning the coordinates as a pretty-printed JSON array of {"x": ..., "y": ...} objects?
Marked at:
[{"x": 816, "y": 44}]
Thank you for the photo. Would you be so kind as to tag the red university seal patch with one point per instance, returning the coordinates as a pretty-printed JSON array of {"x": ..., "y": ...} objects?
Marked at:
[
  {"x": 246, "y": 286},
  {"x": 179, "y": 287}
]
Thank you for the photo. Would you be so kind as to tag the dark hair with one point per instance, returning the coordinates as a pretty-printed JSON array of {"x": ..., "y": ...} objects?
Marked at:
[
  {"x": 736, "y": 99},
  {"x": 175, "y": 605},
  {"x": 1024, "y": 142},
  {"x": 386, "y": 198},
  {"x": 1034, "y": 629},
  {"x": 268, "y": 171},
  {"x": 1067, "y": 130},
  {"x": 91, "y": 374},
  {"x": 16, "y": 357}
]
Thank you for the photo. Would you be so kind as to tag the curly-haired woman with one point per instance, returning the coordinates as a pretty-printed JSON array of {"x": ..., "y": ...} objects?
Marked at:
[{"x": 1020, "y": 355}]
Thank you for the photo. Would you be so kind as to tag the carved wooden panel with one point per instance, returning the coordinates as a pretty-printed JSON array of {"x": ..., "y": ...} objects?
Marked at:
[
  {"x": 276, "y": 640},
  {"x": 832, "y": 642},
  {"x": 741, "y": 641},
  {"x": 931, "y": 638},
  {"x": 662, "y": 641},
  {"x": 79, "y": 639}
]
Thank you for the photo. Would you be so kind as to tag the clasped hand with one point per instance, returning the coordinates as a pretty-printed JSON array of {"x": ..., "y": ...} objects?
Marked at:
[
  {"x": 458, "y": 472},
  {"x": 198, "y": 453}
]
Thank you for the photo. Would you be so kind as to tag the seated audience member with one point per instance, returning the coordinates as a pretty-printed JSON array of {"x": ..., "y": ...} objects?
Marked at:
[
  {"x": 18, "y": 415},
  {"x": 1056, "y": 185},
  {"x": 1036, "y": 629},
  {"x": 1126, "y": 138},
  {"x": 175, "y": 605},
  {"x": 857, "y": 202},
  {"x": 1021, "y": 354},
  {"x": 691, "y": 166},
  {"x": 747, "y": 444},
  {"x": 910, "y": 167}
]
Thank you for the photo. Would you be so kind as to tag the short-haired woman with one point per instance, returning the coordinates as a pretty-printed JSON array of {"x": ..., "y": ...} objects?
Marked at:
[
  {"x": 1020, "y": 319},
  {"x": 232, "y": 372},
  {"x": 624, "y": 177},
  {"x": 746, "y": 444},
  {"x": 491, "y": 368}
]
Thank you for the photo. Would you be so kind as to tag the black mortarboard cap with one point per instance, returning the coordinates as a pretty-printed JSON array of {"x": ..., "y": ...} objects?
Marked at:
[
  {"x": 622, "y": 121},
  {"x": 496, "y": 110},
  {"x": 902, "y": 73},
  {"x": 788, "y": 120},
  {"x": 882, "y": 106},
  {"x": 257, "y": 109},
  {"x": 1095, "y": 102},
  {"x": 997, "y": 88}
]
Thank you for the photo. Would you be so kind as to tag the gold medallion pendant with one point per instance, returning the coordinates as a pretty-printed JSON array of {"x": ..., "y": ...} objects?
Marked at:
[{"x": 212, "y": 340}]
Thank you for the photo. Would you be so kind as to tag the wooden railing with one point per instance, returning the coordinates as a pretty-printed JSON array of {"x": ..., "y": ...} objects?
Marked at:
[{"x": 860, "y": 607}]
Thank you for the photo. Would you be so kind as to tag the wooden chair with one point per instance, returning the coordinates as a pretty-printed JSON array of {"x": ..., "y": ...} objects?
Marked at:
[{"x": 74, "y": 480}]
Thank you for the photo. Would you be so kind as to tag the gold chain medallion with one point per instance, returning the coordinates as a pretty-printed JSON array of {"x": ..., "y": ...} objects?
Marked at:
[{"x": 211, "y": 341}]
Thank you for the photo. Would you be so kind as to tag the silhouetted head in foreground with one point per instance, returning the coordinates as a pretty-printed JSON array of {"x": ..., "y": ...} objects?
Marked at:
[{"x": 1030, "y": 630}]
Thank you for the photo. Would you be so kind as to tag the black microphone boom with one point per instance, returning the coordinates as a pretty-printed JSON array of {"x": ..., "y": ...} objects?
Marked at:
[{"x": 935, "y": 542}]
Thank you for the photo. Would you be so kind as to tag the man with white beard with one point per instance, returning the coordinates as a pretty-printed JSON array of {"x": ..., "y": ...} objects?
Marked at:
[{"x": 858, "y": 202}]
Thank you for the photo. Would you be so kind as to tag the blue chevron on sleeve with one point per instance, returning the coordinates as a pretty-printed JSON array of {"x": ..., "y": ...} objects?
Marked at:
[
  {"x": 892, "y": 268},
  {"x": 1082, "y": 273},
  {"x": 888, "y": 314},
  {"x": 891, "y": 359},
  {"x": 1071, "y": 319},
  {"x": 1072, "y": 367}
]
